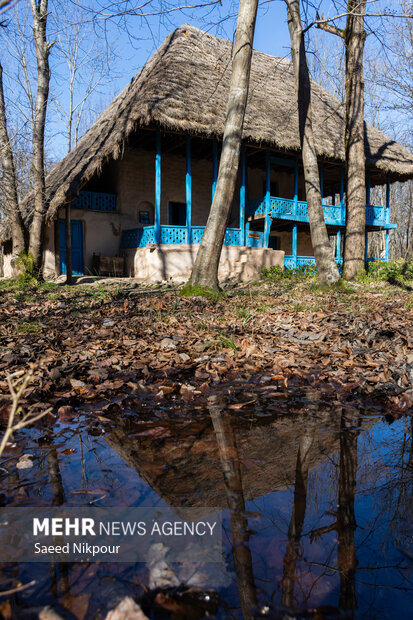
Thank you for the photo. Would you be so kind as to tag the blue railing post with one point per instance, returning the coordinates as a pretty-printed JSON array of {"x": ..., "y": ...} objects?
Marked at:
[
  {"x": 214, "y": 166},
  {"x": 338, "y": 245},
  {"x": 157, "y": 217},
  {"x": 294, "y": 244},
  {"x": 386, "y": 251},
  {"x": 295, "y": 186},
  {"x": 188, "y": 187},
  {"x": 242, "y": 198},
  {"x": 267, "y": 223}
]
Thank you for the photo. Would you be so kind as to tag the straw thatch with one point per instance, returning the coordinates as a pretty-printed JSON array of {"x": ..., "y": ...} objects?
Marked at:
[
  {"x": 184, "y": 88},
  {"x": 5, "y": 229}
]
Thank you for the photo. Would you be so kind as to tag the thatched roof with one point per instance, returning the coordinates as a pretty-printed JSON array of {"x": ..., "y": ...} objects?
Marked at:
[
  {"x": 5, "y": 229},
  {"x": 184, "y": 88},
  {"x": 267, "y": 452}
]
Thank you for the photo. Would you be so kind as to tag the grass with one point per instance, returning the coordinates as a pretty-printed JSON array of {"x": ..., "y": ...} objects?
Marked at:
[
  {"x": 189, "y": 290},
  {"x": 29, "y": 327}
]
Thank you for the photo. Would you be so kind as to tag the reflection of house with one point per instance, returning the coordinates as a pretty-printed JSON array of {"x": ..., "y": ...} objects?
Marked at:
[
  {"x": 141, "y": 179},
  {"x": 175, "y": 467}
]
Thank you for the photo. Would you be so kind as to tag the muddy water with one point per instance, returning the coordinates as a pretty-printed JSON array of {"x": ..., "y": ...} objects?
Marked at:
[{"x": 317, "y": 509}]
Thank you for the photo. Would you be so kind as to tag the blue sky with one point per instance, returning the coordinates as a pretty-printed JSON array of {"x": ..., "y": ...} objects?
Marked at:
[{"x": 133, "y": 40}]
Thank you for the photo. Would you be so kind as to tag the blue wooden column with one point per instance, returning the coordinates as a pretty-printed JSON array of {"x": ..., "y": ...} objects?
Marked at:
[
  {"x": 295, "y": 186},
  {"x": 242, "y": 197},
  {"x": 188, "y": 189},
  {"x": 386, "y": 250},
  {"x": 366, "y": 246},
  {"x": 157, "y": 215},
  {"x": 214, "y": 166},
  {"x": 294, "y": 244},
  {"x": 267, "y": 220},
  {"x": 338, "y": 245}
]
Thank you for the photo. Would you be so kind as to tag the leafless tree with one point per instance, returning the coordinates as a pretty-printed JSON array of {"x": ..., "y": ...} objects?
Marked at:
[
  {"x": 42, "y": 48},
  {"x": 9, "y": 184},
  {"x": 354, "y": 36},
  {"x": 326, "y": 265},
  {"x": 205, "y": 271}
]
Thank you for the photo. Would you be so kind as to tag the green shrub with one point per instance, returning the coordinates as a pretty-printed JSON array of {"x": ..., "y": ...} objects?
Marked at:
[
  {"x": 276, "y": 273},
  {"x": 396, "y": 272},
  {"x": 26, "y": 277}
]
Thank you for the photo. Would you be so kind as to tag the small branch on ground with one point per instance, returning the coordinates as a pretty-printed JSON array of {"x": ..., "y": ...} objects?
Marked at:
[{"x": 18, "y": 382}]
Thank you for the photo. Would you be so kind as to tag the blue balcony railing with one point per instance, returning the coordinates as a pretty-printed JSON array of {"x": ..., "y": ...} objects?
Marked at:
[
  {"x": 95, "y": 201},
  {"x": 287, "y": 209},
  {"x": 173, "y": 235}
]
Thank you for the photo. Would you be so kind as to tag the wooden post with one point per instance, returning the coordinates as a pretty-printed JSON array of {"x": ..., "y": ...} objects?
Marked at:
[
  {"x": 157, "y": 218},
  {"x": 188, "y": 190},
  {"x": 294, "y": 244},
  {"x": 267, "y": 222},
  {"x": 366, "y": 247},
  {"x": 386, "y": 252},
  {"x": 242, "y": 198},
  {"x": 338, "y": 245},
  {"x": 214, "y": 166}
]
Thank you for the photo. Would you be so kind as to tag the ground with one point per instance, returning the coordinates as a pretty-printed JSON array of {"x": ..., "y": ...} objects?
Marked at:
[{"x": 111, "y": 344}]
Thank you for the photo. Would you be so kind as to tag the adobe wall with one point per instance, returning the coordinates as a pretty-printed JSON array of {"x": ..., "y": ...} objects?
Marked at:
[{"x": 165, "y": 262}]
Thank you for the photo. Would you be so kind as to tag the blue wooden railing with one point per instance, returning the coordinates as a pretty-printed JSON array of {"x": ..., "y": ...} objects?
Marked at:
[
  {"x": 174, "y": 235},
  {"x": 287, "y": 209},
  {"x": 95, "y": 201}
]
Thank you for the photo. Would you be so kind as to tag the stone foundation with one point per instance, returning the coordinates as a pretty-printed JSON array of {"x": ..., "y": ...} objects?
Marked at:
[{"x": 175, "y": 262}]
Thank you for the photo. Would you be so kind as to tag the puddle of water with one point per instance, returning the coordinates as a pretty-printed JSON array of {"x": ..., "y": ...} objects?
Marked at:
[{"x": 317, "y": 509}]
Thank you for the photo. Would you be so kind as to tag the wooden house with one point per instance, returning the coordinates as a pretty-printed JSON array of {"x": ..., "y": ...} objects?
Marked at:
[{"x": 141, "y": 180}]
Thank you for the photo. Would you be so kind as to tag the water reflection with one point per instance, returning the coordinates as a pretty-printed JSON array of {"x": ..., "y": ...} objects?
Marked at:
[{"x": 317, "y": 508}]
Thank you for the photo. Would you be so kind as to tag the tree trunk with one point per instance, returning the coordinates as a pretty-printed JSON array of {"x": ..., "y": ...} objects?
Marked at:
[
  {"x": 323, "y": 252},
  {"x": 39, "y": 13},
  {"x": 354, "y": 38},
  {"x": 10, "y": 185},
  {"x": 230, "y": 464},
  {"x": 205, "y": 271}
]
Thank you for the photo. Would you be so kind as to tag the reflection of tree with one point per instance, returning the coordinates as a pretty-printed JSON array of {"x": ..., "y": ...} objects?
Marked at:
[
  {"x": 55, "y": 477},
  {"x": 229, "y": 458},
  {"x": 296, "y": 523},
  {"x": 345, "y": 523},
  {"x": 56, "y": 483}
]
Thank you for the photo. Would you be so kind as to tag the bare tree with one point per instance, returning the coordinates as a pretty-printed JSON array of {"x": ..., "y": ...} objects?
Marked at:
[
  {"x": 205, "y": 271},
  {"x": 42, "y": 47},
  {"x": 9, "y": 184},
  {"x": 323, "y": 253},
  {"x": 354, "y": 36}
]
